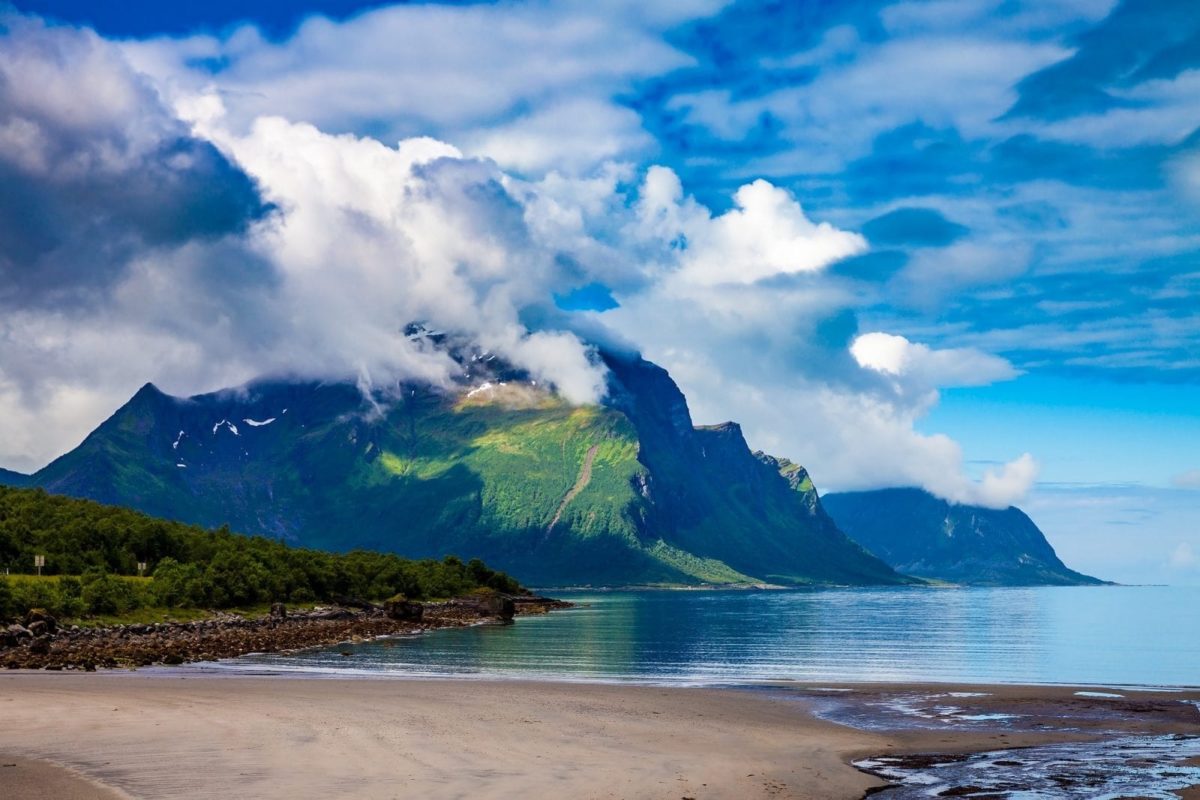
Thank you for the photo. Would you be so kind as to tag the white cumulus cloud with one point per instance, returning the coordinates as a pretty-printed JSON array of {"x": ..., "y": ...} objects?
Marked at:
[
  {"x": 960, "y": 366},
  {"x": 766, "y": 234},
  {"x": 490, "y": 184}
]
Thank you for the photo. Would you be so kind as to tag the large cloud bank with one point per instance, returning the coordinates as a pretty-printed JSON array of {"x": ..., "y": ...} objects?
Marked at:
[{"x": 200, "y": 229}]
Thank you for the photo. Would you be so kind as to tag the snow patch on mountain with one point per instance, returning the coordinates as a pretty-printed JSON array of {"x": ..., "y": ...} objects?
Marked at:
[{"x": 232, "y": 428}]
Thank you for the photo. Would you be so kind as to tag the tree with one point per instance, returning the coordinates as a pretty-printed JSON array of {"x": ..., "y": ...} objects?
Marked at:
[{"x": 6, "y": 599}]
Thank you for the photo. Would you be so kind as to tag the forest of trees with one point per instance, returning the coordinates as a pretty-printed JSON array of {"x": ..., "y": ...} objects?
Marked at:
[{"x": 94, "y": 548}]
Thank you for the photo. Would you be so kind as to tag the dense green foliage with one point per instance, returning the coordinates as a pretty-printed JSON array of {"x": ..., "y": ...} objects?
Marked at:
[{"x": 192, "y": 567}]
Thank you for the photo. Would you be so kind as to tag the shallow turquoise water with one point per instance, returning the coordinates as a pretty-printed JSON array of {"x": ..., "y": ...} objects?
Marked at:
[{"x": 1093, "y": 635}]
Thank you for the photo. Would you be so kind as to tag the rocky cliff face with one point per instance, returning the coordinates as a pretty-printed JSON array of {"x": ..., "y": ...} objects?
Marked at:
[
  {"x": 498, "y": 468},
  {"x": 922, "y": 535}
]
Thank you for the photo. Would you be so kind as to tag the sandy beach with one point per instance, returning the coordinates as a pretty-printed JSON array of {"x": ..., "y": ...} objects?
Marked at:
[{"x": 170, "y": 736}]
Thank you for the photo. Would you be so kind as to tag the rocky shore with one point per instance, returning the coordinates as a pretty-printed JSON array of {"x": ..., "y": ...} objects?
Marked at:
[{"x": 39, "y": 641}]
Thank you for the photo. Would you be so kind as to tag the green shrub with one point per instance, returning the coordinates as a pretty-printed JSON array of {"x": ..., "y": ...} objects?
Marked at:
[
  {"x": 34, "y": 594},
  {"x": 106, "y": 594},
  {"x": 179, "y": 585}
]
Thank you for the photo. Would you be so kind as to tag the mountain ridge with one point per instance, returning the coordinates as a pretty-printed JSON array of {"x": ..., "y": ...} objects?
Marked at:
[
  {"x": 10, "y": 478},
  {"x": 498, "y": 468},
  {"x": 922, "y": 535}
]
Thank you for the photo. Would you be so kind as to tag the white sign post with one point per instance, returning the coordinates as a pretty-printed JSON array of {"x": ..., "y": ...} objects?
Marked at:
[{"x": 39, "y": 562}]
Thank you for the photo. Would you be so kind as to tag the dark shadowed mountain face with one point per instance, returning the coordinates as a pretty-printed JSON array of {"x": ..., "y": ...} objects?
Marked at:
[
  {"x": 501, "y": 469},
  {"x": 919, "y": 534},
  {"x": 10, "y": 478}
]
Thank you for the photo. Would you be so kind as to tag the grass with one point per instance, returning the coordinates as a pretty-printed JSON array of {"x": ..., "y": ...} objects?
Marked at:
[{"x": 147, "y": 616}]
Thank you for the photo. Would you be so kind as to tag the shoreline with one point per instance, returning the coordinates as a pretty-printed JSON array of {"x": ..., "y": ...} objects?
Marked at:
[
  {"x": 223, "y": 668},
  {"x": 179, "y": 735},
  {"x": 40, "y": 642}
]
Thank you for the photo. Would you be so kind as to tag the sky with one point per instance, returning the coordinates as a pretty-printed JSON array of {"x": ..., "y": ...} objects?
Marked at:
[{"x": 951, "y": 243}]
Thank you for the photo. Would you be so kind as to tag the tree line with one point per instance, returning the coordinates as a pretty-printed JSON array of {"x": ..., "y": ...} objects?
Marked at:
[{"x": 91, "y": 546}]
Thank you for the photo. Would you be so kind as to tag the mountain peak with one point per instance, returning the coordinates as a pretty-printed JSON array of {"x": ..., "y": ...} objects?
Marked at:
[
  {"x": 621, "y": 493},
  {"x": 149, "y": 390}
]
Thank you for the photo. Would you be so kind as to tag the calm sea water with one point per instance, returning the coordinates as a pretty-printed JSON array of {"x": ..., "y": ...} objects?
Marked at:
[{"x": 1102, "y": 635}]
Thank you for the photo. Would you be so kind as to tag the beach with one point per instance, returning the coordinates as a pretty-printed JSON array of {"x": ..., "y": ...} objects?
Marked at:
[{"x": 175, "y": 735}]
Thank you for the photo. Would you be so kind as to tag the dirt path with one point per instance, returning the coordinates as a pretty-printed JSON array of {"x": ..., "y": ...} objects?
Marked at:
[{"x": 585, "y": 477}]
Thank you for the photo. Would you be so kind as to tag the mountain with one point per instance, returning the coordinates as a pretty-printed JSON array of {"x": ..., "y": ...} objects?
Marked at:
[
  {"x": 922, "y": 535},
  {"x": 497, "y": 468},
  {"x": 10, "y": 478}
]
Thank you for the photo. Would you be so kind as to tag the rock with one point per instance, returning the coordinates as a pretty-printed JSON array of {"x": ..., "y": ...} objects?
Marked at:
[
  {"x": 400, "y": 608},
  {"x": 333, "y": 613},
  {"x": 19, "y": 631},
  {"x": 278, "y": 611},
  {"x": 534, "y": 604},
  {"x": 487, "y": 603},
  {"x": 225, "y": 635},
  {"x": 355, "y": 602},
  {"x": 502, "y": 606},
  {"x": 41, "y": 615},
  {"x": 493, "y": 603}
]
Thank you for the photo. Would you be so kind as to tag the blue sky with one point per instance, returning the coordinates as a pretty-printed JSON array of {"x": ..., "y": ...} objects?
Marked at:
[{"x": 904, "y": 242}]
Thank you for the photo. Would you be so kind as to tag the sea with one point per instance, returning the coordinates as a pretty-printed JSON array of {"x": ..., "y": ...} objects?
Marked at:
[{"x": 1107, "y": 636}]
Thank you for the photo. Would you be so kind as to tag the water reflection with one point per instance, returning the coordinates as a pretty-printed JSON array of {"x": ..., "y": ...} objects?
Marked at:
[{"x": 1117, "y": 635}]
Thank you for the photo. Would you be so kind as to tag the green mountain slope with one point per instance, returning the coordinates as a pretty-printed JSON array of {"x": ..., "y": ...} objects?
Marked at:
[
  {"x": 627, "y": 492},
  {"x": 919, "y": 534}
]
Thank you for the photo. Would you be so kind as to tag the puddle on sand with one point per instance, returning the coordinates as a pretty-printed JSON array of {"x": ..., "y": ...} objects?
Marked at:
[
  {"x": 1135, "y": 766},
  {"x": 928, "y": 711}
]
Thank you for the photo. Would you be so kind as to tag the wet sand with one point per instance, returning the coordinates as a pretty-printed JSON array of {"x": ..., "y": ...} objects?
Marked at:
[
  {"x": 42, "y": 780},
  {"x": 179, "y": 736}
]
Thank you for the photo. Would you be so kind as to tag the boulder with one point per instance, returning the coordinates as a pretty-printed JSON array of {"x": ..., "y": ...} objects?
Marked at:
[
  {"x": 18, "y": 632},
  {"x": 501, "y": 606},
  {"x": 41, "y": 615},
  {"x": 488, "y": 603},
  {"x": 400, "y": 608},
  {"x": 333, "y": 613}
]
